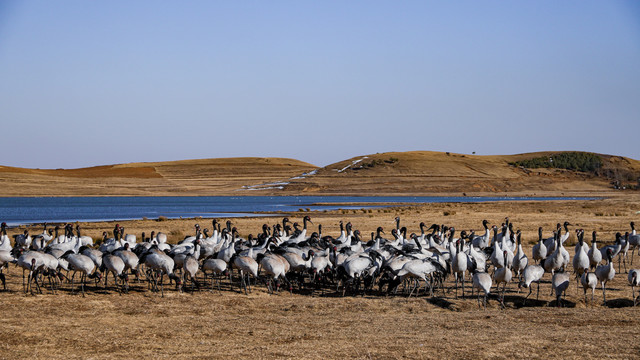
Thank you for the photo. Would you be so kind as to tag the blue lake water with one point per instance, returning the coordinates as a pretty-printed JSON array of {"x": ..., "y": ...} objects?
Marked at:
[{"x": 18, "y": 210}]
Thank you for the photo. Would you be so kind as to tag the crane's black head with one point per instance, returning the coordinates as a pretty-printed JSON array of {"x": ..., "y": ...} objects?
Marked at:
[{"x": 380, "y": 230}]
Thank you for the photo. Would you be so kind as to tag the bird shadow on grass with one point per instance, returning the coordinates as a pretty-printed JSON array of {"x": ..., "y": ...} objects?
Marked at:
[
  {"x": 442, "y": 303},
  {"x": 619, "y": 303},
  {"x": 517, "y": 302},
  {"x": 563, "y": 303}
]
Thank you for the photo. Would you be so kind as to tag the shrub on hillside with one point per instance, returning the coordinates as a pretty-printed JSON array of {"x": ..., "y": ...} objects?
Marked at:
[{"x": 579, "y": 161}]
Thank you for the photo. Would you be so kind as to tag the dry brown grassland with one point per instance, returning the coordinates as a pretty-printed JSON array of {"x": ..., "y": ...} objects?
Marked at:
[{"x": 206, "y": 324}]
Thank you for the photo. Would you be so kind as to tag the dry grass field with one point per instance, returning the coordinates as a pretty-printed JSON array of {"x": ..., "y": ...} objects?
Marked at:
[{"x": 206, "y": 324}]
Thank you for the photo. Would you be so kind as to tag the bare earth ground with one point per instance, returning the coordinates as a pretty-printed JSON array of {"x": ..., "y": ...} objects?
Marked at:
[{"x": 207, "y": 324}]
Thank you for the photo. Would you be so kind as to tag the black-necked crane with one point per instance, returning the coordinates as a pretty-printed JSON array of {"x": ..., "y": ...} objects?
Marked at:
[
  {"x": 115, "y": 265},
  {"x": 93, "y": 254},
  {"x": 84, "y": 265},
  {"x": 246, "y": 266},
  {"x": 503, "y": 275},
  {"x": 22, "y": 240},
  {"x": 606, "y": 273},
  {"x": 539, "y": 252},
  {"x": 564, "y": 237},
  {"x": 634, "y": 240},
  {"x": 5, "y": 241},
  {"x": 594, "y": 254},
  {"x": 520, "y": 259},
  {"x": 482, "y": 241},
  {"x": 85, "y": 240},
  {"x": 580, "y": 259},
  {"x": 532, "y": 273},
  {"x": 560, "y": 283},
  {"x": 130, "y": 259},
  {"x": 624, "y": 250},
  {"x": 320, "y": 263},
  {"x": 303, "y": 234},
  {"x": 158, "y": 263},
  {"x": 634, "y": 280},
  {"x": 275, "y": 268},
  {"x": 40, "y": 241},
  {"x": 50, "y": 270},
  {"x": 419, "y": 270},
  {"x": 5, "y": 259},
  {"x": 615, "y": 249},
  {"x": 482, "y": 282},
  {"x": 227, "y": 253},
  {"x": 191, "y": 267},
  {"x": 459, "y": 265},
  {"x": 589, "y": 280},
  {"x": 496, "y": 256},
  {"x": 218, "y": 268},
  {"x": 30, "y": 261},
  {"x": 555, "y": 261}
]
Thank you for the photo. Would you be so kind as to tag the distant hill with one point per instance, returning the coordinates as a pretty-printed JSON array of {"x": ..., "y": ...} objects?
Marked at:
[
  {"x": 180, "y": 178},
  {"x": 428, "y": 172},
  {"x": 394, "y": 173}
]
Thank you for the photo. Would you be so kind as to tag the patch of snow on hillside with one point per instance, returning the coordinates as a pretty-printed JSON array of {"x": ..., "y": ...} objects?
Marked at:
[
  {"x": 352, "y": 163},
  {"x": 304, "y": 175}
]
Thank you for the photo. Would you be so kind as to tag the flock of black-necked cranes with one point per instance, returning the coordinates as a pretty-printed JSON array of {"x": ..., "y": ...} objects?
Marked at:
[{"x": 286, "y": 256}]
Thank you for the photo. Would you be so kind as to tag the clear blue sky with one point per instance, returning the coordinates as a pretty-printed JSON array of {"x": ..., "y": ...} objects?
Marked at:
[{"x": 100, "y": 82}]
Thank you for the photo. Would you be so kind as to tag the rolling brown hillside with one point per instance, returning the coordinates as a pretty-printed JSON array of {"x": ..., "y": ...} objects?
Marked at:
[
  {"x": 187, "y": 177},
  {"x": 404, "y": 173},
  {"x": 426, "y": 172}
]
